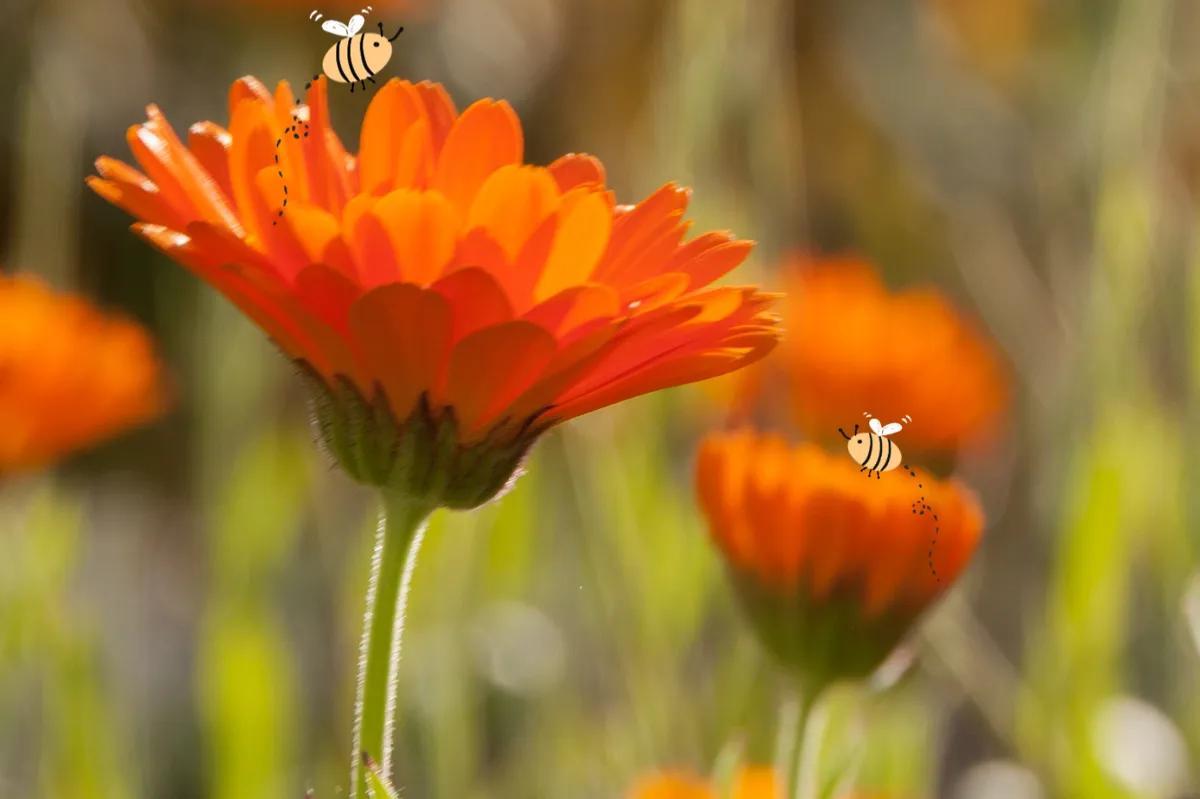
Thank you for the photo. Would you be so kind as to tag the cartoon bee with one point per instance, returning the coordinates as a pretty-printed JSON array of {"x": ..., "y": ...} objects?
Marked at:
[
  {"x": 874, "y": 451},
  {"x": 357, "y": 57}
]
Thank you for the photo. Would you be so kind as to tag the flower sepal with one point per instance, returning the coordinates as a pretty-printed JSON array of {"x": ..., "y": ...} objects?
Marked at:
[
  {"x": 421, "y": 456},
  {"x": 818, "y": 642}
]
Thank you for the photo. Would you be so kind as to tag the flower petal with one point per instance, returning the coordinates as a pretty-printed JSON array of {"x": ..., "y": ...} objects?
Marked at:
[
  {"x": 331, "y": 175},
  {"x": 574, "y": 307},
  {"x": 581, "y": 239},
  {"x": 392, "y": 111},
  {"x": 327, "y": 294},
  {"x": 512, "y": 203},
  {"x": 439, "y": 111},
  {"x": 476, "y": 301},
  {"x": 249, "y": 88},
  {"x": 709, "y": 257},
  {"x": 423, "y": 228},
  {"x": 491, "y": 368},
  {"x": 577, "y": 169},
  {"x": 253, "y": 150},
  {"x": 129, "y": 189},
  {"x": 372, "y": 246},
  {"x": 486, "y": 137},
  {"x": 404, "y": 334},
  {"x": 415, "y": 160},
  {"x": 210, "y": 145}
]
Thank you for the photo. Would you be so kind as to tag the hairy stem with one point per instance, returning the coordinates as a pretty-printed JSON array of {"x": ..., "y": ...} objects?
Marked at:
[{"x": 397, "y": 542}]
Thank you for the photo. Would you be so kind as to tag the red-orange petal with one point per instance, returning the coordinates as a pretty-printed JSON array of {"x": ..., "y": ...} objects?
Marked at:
[
  {"x": 476, "y": 301},
  {"x": 512, "y": 203},
  {"x": 486, "y": 137},
  {"x": 439, "y": 111},
  {"x": 577, "y": 169},
  {"x": 423, "y": 228},
  {"x": 392, "y": 111},
  {"x": 404, "y": 333},
  {"x": 584, "y": 225},
  {"x": 210, "y": 145},
  {"x": 491, "y": 368}
]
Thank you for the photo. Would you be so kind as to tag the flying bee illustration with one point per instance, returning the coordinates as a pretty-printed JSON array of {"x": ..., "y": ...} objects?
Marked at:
[
  {"x": 357, "y": 57},
  {"x": 873, "y": 450}
]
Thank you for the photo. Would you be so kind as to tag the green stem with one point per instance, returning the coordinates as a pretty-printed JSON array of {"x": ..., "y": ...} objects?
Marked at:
[
  {"x": 787, "y": 737},
  {"x": 401, "y": 528},
  {"x": 804, "y": 725}
]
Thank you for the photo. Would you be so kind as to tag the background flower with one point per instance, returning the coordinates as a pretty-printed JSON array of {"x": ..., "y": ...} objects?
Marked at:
[
  {"x": 749, "y": 783},
  {"x": 853, "y": 345},
  {"x": 70, "y": 375},
  {"x": 856, "y": 345},
  {"x": 833, "y": 567}
]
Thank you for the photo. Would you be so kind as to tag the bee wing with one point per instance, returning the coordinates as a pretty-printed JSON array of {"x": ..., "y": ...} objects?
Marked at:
[
  {"x": 356, "y": 24},
  {"x": 888, "y": 429},
  {"x": 335, "y": 27},
  {"x": 876, "y": 428}
]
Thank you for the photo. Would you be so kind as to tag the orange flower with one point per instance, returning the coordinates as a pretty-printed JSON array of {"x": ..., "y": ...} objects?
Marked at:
[
  {"x": 69, "y": 375},
  {"x": 994, "y": 36},
  {"x": 853, "y": 346},
  {"x": 751, "y": 783},
  {"x": 833, "y": 567},
  {"x": 451, "y": 302}
]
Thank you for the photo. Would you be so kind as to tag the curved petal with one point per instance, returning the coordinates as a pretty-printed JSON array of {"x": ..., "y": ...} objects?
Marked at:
[
  {"x": 253, "y": 150},
  {"x": 125, "y": 187},
  {"x": 491, "y": 368},
  {"x": 372, "y": 248},
  {"x": 585, "y": 222},
  {"x": 439, "y": 111},
  {"x": 392, "y": 111},
  {"x": 574, "y": 307},
  {"x": 404, "y": 334},
  {"x": 423, "y": 228},
  {"x": 210, "y": 145},
  {"x": 709, "y": 257},
  {"x": 332, "y": 181},
  {"x": 476, "y": 301},
  {"x": 486, "y": 137},
  {"x": 512, "y": 203},
  {"x": 577, "y": 169}
]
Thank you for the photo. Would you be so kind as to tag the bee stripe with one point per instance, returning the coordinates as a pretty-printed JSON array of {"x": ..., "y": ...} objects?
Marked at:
[
  {"x": 350, "y": 59},
  {"x": 338, "y": 53},
  {"x": 362, "y": 54},
  {"x": 870, "y": 449},
  {"x": 883, "y": 461}
]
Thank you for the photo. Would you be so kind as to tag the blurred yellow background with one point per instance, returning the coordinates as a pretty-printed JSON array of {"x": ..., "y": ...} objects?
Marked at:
[{"x": 180, "y": 609}]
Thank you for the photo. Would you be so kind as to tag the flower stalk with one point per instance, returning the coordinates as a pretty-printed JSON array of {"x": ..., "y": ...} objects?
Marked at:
[
  {"x": 804, "y": 727},
  {"x": 397, "y": 543}
]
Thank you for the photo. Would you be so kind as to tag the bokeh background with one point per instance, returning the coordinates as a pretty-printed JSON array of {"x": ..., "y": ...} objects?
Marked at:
[{"x": 180, "y": 609}]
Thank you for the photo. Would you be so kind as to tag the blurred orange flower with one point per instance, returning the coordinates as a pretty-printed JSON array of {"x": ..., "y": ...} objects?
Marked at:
[
  {"x": 751, "y": 783},
  {"x": 434, "y": 281},
  {"x": 995, "y": 36},
  {"x": 337, "y": 8},
  {"x": 70, "y": 376},
  {"x": 833, "y": 567},
  {"x": 853, "y": 346}
]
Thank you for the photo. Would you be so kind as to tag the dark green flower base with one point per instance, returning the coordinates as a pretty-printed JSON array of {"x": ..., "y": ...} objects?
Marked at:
[
  {"x": 419, "y": 457},
  {"x": 819, "y": 642}
]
